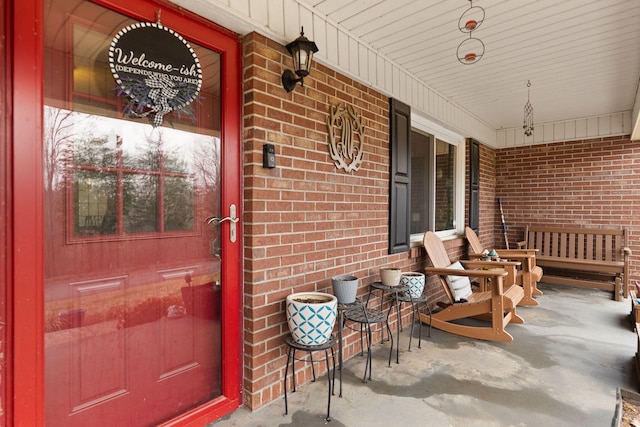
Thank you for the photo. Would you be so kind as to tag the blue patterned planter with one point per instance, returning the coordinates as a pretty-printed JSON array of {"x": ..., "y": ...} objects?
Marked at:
[
  {"x": 311, "y": 316},
  {"x": 415, "y": 281}
]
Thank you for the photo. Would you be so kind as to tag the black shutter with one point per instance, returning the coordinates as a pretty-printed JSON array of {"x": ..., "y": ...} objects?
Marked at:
[
  {"x": 474, "y": 185},
  {"x": 400, "y": 176}
]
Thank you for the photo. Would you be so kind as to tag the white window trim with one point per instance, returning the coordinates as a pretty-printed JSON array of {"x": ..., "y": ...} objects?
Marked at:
[{"x": 425, "y": 125}]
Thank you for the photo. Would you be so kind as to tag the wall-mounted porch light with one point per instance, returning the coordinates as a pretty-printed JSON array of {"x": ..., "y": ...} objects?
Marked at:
[{"x": 301, "y": 50}]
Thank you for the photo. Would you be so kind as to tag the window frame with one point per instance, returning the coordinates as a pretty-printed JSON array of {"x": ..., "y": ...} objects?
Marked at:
[
  {"x": 424, "y": 125},
  {"x": 121, "y": 173}
]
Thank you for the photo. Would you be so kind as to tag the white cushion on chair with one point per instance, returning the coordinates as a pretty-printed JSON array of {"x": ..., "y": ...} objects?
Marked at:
[{"x": 460, "y": 285}]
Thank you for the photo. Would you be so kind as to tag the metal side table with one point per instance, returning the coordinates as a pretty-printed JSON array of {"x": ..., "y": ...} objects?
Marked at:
[
  {"x": 342, "y": 308},
  {"x": 367, "y": 317},
  {"x": 405, "y": 297},
  {"x": 394, "y": 291}
]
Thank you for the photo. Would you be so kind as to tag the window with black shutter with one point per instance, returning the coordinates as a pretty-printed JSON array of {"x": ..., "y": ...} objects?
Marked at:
[{"x": 400, "y": 179}]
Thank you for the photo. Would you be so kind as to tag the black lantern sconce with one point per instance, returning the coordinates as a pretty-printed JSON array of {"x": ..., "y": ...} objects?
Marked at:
[{"x": 301, "y": 50}]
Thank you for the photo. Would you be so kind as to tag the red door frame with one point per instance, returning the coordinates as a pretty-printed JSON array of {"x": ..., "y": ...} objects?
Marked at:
[
  {"x": 25, "y": 364},
  {"x": 5, "y": 238}
]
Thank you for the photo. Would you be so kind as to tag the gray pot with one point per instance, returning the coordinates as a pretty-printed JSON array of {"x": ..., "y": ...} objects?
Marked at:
[{"x": 345, "y": 288}]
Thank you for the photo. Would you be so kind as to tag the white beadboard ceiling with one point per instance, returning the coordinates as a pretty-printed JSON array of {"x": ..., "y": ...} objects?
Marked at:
[{"x": 581, "y": 56}]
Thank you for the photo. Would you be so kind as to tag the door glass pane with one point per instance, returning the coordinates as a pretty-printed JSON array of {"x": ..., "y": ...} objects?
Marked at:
[
  {"x": 132, "y": 289},
  {"x": 94, "y": 203},
  {"x": 140, "y": 203},
  {"x": 178, "y": 204}
]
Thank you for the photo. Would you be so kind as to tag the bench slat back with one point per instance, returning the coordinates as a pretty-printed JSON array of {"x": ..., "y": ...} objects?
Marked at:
[{"x": 578, "y": 243}]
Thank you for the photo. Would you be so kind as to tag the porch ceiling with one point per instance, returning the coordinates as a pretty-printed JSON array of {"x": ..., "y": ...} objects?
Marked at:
[{"x": 581, "y": 56}]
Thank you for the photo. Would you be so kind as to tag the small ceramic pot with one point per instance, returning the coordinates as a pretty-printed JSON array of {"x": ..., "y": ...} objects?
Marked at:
[
  {"x": 345, "y": 288},
  {"x": 390, "y": 276},
  {"x": 311, "y": 316},
  {"x": 415, "y": 281}
]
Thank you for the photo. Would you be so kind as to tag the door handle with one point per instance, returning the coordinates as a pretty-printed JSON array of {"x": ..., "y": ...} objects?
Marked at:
[
  {"x": 217, "y": 221},
  {"x": 232, "y": 218}
]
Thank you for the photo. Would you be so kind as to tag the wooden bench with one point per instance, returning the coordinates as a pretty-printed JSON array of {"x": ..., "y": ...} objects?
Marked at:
[{"x": 593, "y": 258}]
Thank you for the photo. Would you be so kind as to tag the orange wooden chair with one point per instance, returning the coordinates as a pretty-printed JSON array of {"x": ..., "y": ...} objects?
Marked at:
[
  {"x": 496, "y": 305},
  {"x": 527, "y": 276}
]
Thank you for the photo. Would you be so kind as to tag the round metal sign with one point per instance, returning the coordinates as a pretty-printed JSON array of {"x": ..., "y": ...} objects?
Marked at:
[{"x": 156, "y": 68}]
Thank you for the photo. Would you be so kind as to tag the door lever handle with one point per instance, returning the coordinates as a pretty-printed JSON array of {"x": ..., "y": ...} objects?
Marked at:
[
  {"x": 217, "y": 221},
  {"x": 232, "y": 218}
]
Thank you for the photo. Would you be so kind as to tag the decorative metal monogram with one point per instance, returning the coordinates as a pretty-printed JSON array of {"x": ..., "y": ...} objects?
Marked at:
[{"x": 346, "y": 137}]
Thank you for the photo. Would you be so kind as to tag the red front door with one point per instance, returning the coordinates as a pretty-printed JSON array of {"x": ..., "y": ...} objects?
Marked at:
[{"x": 141, "y": 290}]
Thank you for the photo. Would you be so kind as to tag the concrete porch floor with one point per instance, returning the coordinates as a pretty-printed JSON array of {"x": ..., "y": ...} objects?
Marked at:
[{"x": 562, "y": 369}]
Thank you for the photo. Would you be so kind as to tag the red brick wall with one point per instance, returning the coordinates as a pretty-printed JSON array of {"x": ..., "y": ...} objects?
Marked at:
[
  {"x": 591, "y": 182},
  {"x": 305, "y": 221}
]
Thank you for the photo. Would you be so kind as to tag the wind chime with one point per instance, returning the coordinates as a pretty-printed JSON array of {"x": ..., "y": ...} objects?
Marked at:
[
  {"x": 472, "y": 49},
  {"x": 528, "y": 113}
]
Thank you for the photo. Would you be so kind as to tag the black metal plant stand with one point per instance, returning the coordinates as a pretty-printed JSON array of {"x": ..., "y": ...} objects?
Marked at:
[
  {"x": 291, "y": 358},
  {"x": 367, "y": 317}
]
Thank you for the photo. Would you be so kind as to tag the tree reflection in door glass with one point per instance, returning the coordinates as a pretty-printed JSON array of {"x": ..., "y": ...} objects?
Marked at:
[
  {"x": 140, "y": 203},
  {"x": 178, "y": 204},
  {"x": 138, "y": 183},
  {"x": 95, "y": 203}
]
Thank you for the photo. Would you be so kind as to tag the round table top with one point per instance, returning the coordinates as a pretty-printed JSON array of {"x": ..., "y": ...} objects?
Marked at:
[
  {"x": 356, "y": 303},
  {"x": 394, "y": 289},
  {"x": 365, "y": 315},
  {"x": 292, "y": 343}
]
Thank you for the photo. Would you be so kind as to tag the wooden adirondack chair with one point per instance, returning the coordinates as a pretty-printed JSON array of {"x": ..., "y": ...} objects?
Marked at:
[
  {"x": 527, "y": 276},
  {"x": 497, "y": 305}
]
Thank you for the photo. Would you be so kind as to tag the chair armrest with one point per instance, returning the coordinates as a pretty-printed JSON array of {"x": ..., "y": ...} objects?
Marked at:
[
  {"x": 494, "y": 272},
  {"x": 490, "y": 264},
  {"x": 517, "y": 253},
  {"x": 627, "y": 251},
  {"x": 509, "y": 266},
  {"x": 521, "y": 244}
]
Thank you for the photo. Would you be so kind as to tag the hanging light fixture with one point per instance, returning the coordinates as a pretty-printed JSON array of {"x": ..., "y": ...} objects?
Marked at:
[
  {"x": 470, "y": 50},
  {"x": 301, "y": 50},
  {"x": 528, "y": 113}
]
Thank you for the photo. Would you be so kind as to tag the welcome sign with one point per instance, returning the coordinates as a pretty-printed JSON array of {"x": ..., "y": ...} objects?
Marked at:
[{"x": 156, "y": 68}]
